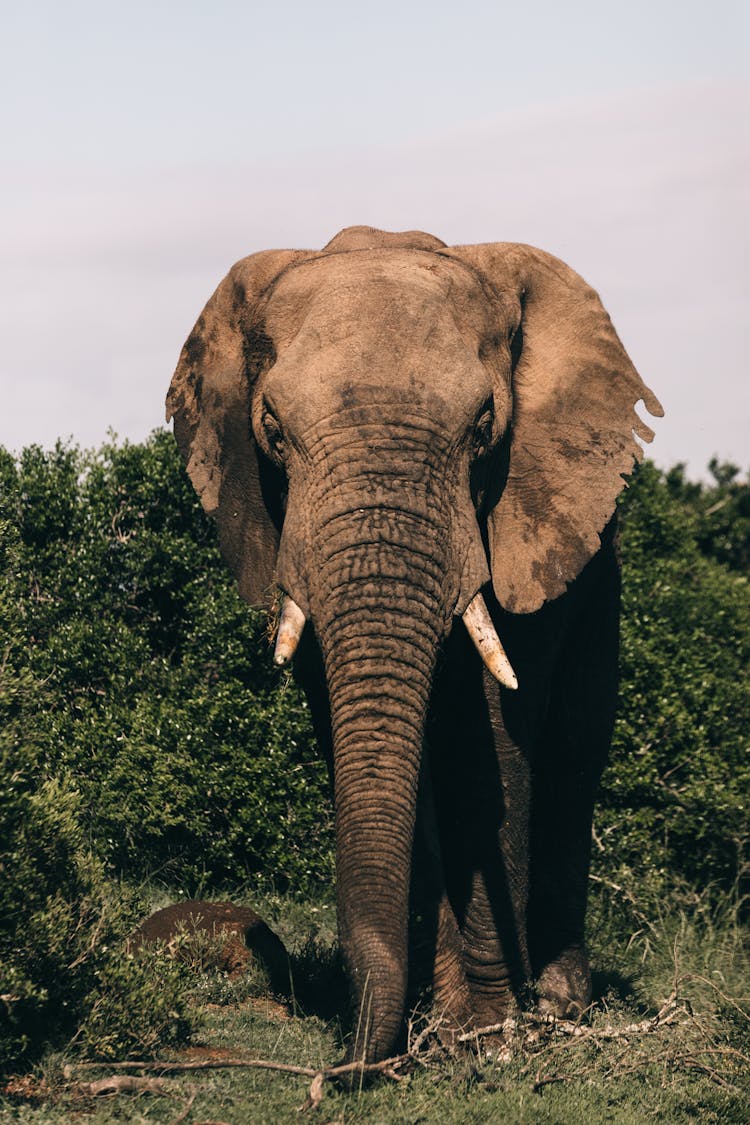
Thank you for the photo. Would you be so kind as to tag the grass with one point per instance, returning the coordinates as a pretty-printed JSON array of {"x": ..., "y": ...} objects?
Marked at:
[{"x": 685, "y": 949}]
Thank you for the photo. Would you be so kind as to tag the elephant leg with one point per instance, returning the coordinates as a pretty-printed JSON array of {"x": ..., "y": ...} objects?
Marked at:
[
  {"x": 436, "y": 946},
  {"x": 494, "y": 916},
  {"x": 482, "y": 796},
  {"x": 569, "y": 760},
  {"x": 309, "y": 675}
]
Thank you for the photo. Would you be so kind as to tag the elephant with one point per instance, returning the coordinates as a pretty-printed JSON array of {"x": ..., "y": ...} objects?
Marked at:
[{"x": 415, "y": 450}]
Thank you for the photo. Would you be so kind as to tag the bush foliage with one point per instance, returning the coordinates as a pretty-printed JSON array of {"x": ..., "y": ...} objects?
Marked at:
[
  {"x": 674, "y": 797},
  {"x": 62, "y": 921},
  {"x": 160, "y": 697},
  {"x": 145, "y": 732}
]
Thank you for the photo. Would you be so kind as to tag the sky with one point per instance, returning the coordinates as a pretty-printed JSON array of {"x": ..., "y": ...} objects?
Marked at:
[{"x": 147, "y": 146}]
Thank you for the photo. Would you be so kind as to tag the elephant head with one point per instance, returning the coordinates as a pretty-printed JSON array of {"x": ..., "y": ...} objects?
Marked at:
[{"x": 382, "y": 429}]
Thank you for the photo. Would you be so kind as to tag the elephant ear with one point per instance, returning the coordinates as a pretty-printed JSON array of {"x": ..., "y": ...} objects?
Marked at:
[
  {"x": 210, "y": 400},
  {"x": 573, "y": 426}
]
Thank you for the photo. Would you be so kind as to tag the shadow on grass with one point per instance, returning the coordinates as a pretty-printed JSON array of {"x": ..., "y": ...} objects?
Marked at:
[
  {"x": 318, "y": 983},
  {"x": 607, "y": 985}
]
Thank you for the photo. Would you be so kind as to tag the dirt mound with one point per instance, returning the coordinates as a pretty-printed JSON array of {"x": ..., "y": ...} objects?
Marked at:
[{"x": 242, "y": 932}]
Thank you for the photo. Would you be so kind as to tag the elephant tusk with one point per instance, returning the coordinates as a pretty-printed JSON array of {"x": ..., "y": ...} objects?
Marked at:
[
  {"x": 291, "y": 624},
  {"x": 482, "y": 632}
]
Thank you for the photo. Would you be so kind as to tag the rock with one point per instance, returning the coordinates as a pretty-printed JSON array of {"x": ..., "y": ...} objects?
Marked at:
[{"x": 246, "y": 934}]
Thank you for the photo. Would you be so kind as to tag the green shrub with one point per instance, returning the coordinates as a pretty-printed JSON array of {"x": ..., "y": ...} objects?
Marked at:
[
  {"x": 63, "y": 969},
  {"x": 62, "y": 923},
  {"x": 140, "y": 1007},
  {"x": 674, "y": 800},
  {"x": 720, "y": 510},
  {"x": 189, "y": 751}
]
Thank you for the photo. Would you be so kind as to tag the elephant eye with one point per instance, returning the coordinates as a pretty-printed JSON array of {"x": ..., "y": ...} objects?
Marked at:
[
  {"x": 483, "y": 432},
  {"x": 272, "y": 433}
]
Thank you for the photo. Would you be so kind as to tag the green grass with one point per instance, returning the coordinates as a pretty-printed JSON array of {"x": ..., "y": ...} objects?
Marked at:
[{"x": 691, "y": 1069}]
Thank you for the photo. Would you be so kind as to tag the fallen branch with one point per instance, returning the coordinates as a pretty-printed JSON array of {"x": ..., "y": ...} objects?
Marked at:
[
  {"x": 198, "y": 1064},
  {"x": 257, "y": 1064},
  {"x": 491, "y": 1029},
  {"x": 126, "y": 1084},
  {"x": 605, "y": 1034},
  {"x": 667, "y": 1014},
  {"x": 315, "y": 1093},
  {"x": 131, "y": 1084}
]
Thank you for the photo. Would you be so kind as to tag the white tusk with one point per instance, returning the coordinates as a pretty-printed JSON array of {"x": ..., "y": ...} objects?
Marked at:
[
  {"x": 291, "y": 624},
  {"x": 482, "y": 632}
]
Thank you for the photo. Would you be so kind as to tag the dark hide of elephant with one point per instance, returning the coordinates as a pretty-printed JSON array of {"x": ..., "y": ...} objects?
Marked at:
[{"x": 421, "y": 447}]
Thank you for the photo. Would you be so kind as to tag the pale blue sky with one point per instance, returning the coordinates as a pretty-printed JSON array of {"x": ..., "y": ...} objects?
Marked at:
[
  {"x": 147, "y": 146},
  {"x": 174, "y": 82}
]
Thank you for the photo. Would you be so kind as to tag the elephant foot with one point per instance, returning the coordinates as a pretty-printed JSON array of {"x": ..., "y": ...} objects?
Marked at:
[
  {"x": 448, "y": 1023},
  {"x": 451, "y": 998},
  {"x": 497, "y": 1010},
  {"x": 564, "y": 985},
  {"x": 355, "y": 1073}
]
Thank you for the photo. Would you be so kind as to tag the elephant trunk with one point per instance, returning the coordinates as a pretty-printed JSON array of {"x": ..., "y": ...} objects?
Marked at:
[
  {"x": 380, "y": 595},
  {"x": 379, "y": 648}
]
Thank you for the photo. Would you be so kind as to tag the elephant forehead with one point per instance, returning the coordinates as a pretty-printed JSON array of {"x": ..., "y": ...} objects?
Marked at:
[
  {"x": 310, "y": 380},
  {"x": 333, "y": 363},
  {"x": 376, "y": 293},
  {"x": 387, "y": 326}
]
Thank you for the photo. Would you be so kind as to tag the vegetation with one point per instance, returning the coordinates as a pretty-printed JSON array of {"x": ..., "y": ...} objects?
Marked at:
[
  {"x": 160, "y": 697},
  {"x": 674, "y": 799},
  {"x": 623, "y": 1066},
  {"x": 144, "y": 736}
]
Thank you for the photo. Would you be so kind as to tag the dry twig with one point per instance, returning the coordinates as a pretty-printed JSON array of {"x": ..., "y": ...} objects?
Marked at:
[
  {"x": 127, "y": 1083},
  {"x": 257, "y": 1064},
  {"x": 133, "y": 1084},
  {"x": 315, "y": 1093},
  {"x": 669, "y": 1013}
]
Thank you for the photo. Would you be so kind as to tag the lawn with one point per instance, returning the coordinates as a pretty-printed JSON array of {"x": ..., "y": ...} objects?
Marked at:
[{"x": 667, "y": 1039}]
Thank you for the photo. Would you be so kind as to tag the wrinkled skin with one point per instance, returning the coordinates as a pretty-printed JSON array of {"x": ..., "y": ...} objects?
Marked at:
[{"x": 383, "y": 429}]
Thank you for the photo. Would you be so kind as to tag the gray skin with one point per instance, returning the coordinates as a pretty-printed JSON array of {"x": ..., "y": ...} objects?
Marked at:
[{"x": 382, "y": 429}]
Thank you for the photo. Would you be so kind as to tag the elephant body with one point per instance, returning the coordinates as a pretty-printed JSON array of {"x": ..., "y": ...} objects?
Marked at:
[{"x": 421, "y": 448}]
